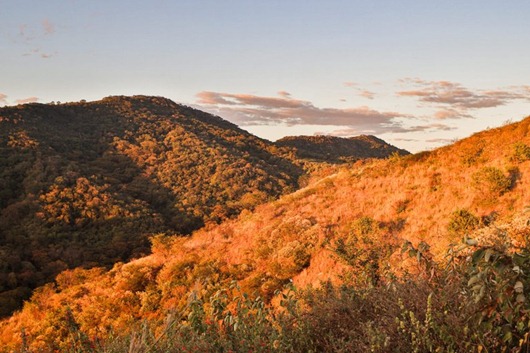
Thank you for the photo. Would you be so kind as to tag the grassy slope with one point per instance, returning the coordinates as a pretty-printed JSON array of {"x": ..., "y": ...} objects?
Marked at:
[{"x": 410, "y": 198}]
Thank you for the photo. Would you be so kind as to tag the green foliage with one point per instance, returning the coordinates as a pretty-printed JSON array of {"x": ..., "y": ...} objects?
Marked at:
[
  {"x": 365, "y": 252},
  {"x": 499, "y": 285}
]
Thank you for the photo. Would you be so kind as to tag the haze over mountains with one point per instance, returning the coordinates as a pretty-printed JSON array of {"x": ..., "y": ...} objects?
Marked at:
[{"x": 86, "y": 184}]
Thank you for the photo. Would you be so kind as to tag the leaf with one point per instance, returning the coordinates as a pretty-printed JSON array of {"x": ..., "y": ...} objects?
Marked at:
[
  {"x": 488, "y": 254},
  {"x": 473, "y": 280},
  {"x": 477, "y": 255}
]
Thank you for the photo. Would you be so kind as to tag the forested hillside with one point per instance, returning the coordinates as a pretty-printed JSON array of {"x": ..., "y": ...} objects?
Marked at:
[
  {"x": 338, "y": 149},
  {"x": 84, "y": 184},
  {"x": 426, "y": 252}
]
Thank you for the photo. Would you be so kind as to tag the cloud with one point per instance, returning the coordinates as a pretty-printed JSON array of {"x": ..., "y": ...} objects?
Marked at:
[
  {"x": 450, "y": 114},
  {"x": 245, "y": 109},
  {"x": 367, "y": 94},
  {"x": 446, "y": 93},
  {"x": 440, "y": 140},
  {"x": 27, "y": 100},
  {"x": 253, "y": 110},
  {"x": 395, "y": 128},
  {"x": 48, "y": 27},
  {"x": 362, "y": 92},
  {"x": 3, "y": 98},
  {"x": 33, "y": 37}
]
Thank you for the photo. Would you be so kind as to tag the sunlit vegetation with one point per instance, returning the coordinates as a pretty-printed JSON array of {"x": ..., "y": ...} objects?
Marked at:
[
  {"x": 85, "y": 184},
  {"x": 420, "y": 253},
  {"x": 337, "y": 149}
]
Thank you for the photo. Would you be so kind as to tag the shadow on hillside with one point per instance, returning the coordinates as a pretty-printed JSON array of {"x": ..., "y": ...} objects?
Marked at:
[{"x": 50, "y": 221}]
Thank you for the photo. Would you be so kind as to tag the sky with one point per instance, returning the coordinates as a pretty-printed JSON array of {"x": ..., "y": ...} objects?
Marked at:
[{"x": 418, "y": 74}]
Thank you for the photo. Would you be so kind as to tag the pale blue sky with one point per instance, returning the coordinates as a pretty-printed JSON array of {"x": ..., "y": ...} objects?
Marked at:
[{"x": 415, "y": 73}]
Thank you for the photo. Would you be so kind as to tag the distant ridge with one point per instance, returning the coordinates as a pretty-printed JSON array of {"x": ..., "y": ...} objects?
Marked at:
[{"x": 338, "y": 149}]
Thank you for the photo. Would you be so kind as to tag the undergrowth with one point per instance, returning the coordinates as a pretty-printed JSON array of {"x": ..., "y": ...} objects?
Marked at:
[{"x": 476, "y": 302}]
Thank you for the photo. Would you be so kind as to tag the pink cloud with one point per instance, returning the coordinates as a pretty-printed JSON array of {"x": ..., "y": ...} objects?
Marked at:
[
  {"x": 3, "y": 98},
  {"x": 27, "y": 100},
  {"x": 245, "y": 109},
  {"x": 367, "y": 94},
  {"x": 48, "y": 27},
  {"x": 450, "y": 114},
  {"x": 457, "y": 96}
]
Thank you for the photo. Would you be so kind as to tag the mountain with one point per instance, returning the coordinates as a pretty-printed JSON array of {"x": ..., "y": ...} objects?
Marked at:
[
  {"x": 337, "y": 149},
  {"x": 85, "y": 184},
  {"x": 389, "y": 232}
]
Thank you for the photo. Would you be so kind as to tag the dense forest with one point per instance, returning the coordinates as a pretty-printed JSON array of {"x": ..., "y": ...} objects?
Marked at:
[
  {"x": 338, "y": 149},
  {"x": 427, "y": 252},
  {"x": 85, "y": 184}
]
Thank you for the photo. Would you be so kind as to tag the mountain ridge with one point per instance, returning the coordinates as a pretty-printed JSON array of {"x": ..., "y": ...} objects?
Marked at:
[
  {"x": 86, "y": 183},
  {"x": 339, "y": 149},
  {"x": 347, "y": 227}
]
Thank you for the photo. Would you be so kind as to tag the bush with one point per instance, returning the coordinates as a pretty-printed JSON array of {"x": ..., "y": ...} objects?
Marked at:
[
  {"x": 462, "y": 222},
  {"x": 521, "y": 152},
  {"x": 492, "y": 181}
]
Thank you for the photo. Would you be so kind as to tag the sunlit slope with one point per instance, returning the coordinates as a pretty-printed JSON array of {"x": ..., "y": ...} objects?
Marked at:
[
  {"x": 84, "y": 184},
  {"x": 347, "y": 226}
]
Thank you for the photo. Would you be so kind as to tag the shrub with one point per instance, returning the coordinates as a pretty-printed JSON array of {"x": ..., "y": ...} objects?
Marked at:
[
  {"x": 492, "y": 180},
  {"x": 462, "y": 221},
  {"x": 521, "y": 152}
]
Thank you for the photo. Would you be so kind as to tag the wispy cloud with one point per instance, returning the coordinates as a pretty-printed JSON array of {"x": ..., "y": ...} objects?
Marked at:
[
  {"x": 34, "y": 37},
  {"x": 48, "y": 27},
  {"x": 346, "y": 132},
  {"x": 3, "y": 98},
  {"x": 361, "y": 92},
  {"x": 367, "y": 94},
  {"x": 442, "y": 141},
  {"x": 27, "y": 100},
  {"x": 251, "y": 110},
  {"x": 458, "y": 97},
  {"x": 451, "y": 114}
]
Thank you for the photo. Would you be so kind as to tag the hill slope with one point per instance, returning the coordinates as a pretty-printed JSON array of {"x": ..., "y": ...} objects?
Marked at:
[
  {"x": 338, "y": 149},
  {"x": 346, "y": 227},
  {"x": 84, "y": 184}
]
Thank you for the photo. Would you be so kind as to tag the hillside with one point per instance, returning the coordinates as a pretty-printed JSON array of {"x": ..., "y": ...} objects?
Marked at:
[
  {"x": 85, "y": 184},
  {"x": 346, "y": 228},
  {"x": 338, "y": 149}
]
